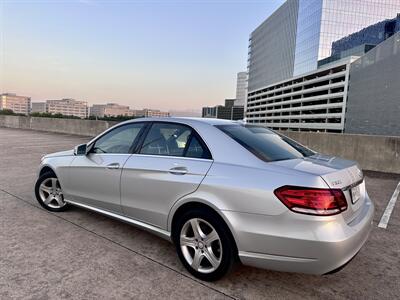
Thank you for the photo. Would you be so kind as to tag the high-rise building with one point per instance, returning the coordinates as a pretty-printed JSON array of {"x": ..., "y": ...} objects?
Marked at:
[
  {"x": 229, "y": 111},
  {"x": 272, "y": 46},
  {"x": 110, "y": 110},
  {"x": 360, "y": 42},
  {"x": 371, "y": 35},
  {"x": 300, "y": 33},
  {"x": 18, "y": 104},
  {"x": 68, "y": 107},
  {"x": 357, "y": 94},
  {"x": 209, "y": 112},
  {"x": 230, "y": 102},
  {"x": 241, "y": 89},
  {"x": 305, "y": 86}
]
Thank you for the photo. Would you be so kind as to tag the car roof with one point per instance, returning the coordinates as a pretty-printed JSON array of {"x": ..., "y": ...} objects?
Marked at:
[
  {"x": 217, "y": 141},
  {"x": 210, "y": 121}
]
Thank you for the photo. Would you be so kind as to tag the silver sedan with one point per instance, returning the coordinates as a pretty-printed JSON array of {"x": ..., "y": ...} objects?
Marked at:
[{"x": 221, "y": 191}]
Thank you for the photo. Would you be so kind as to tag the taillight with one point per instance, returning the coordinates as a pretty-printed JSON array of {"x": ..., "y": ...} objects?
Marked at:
[{"x": 312, "y": 201}]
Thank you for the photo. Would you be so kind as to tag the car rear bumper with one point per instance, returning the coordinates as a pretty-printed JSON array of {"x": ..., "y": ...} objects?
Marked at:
[{"x": 297, "y": 243}]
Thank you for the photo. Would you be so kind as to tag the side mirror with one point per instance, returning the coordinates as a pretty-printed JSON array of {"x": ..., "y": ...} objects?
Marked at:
[{"x": 80, "y": 149}]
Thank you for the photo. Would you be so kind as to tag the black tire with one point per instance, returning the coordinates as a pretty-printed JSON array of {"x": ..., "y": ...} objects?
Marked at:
[
  {"x": 50, "y": 207},
  {"x": 229, "y": 250}
]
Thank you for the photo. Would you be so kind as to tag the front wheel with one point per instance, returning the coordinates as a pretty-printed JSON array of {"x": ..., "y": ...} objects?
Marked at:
[
  {"x": 49, "y": 193},
  {"x": 204, "y": 244}
]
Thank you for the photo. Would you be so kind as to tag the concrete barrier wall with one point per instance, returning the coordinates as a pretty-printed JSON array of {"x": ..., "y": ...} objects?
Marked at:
[
  {"x": 372, "y": 152},
  {"x": 375, "y": 153},
  {"x": 70, "y": 126}
]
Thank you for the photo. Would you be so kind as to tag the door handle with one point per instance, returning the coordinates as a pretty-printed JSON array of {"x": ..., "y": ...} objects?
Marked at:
[
  {"x": 178, "y": 170},
  {"x": 113, "y": 166}
]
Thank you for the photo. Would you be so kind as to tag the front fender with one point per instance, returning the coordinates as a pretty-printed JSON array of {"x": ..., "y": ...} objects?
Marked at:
[{"x": 59, "y": 165}]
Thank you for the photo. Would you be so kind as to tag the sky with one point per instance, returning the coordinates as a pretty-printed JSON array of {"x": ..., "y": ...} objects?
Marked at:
[{"x": 169, "y": 55}]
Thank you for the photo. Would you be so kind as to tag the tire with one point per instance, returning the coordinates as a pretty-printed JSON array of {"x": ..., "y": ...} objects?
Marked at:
[
  {"x": 205, "y": 255},
  {"x": 49, "y": 194}
]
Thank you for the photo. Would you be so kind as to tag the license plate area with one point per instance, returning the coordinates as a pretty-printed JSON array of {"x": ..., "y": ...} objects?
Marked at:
[{"x": 355, "y": 193}]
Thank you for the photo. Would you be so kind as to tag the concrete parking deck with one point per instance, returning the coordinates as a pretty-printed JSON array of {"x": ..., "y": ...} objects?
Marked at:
[{"x": 79, "y": 254}]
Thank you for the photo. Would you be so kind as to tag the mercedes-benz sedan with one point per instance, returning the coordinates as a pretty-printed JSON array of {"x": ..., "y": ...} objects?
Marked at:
[{"x": 221, "y": 191}]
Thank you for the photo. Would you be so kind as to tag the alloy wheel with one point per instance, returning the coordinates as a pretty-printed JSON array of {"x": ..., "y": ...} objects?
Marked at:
[
  {"x": 201, "y": 245},
  {"x": 51, "y": 193}
]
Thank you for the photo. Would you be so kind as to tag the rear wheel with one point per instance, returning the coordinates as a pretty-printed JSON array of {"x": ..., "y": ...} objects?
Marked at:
[
  {"x": 204, "y": 244},
  {"x": 49, "y": 193}
]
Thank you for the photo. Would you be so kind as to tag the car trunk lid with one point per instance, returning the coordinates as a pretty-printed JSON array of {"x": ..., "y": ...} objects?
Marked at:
[{"x": 338, "y": 174}]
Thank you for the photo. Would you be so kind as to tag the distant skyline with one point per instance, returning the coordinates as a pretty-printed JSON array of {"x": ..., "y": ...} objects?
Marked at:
[{"x": 169, "y": 55}]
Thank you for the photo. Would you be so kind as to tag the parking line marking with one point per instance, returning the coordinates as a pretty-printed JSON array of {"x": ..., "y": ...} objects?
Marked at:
[{"x": 389, "y": 208}]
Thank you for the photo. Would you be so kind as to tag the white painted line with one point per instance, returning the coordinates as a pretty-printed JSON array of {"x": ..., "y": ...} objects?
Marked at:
[{"x": 389, "y": 208}]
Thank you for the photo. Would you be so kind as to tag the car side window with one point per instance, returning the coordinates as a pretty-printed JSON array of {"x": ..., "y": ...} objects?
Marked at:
[
  {"x": 196, "y": 150},
  {"x": 166, "y": 139},
  {"x": 171, "y": 139},
  {"x": 119, "y": 140}
]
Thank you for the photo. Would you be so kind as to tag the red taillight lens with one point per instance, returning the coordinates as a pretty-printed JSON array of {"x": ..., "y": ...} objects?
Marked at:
[{"x": 321, "y": 202}]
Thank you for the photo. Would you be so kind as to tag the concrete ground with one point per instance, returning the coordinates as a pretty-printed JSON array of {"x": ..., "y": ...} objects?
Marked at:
[{"x": 82, "y": 255}]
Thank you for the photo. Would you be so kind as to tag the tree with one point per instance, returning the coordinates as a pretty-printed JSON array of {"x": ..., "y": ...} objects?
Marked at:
[
  {"x": 51, "y": 115},
  {"x": 9, "y": 112}
]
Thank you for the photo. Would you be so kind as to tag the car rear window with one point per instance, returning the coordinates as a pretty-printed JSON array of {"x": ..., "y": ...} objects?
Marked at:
[{"x": 264, "y": 143}]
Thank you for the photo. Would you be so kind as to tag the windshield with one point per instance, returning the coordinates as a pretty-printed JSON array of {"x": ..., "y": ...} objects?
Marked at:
[{"x": 264, "y": 143}]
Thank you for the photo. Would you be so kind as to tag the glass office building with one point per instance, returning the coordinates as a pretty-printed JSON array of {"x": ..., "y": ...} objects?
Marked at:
[
  {"x": 301, "y": 32},
  {"x": 307, "y": 36},
  {"x": 271, "y": 47},
  {"x": 372, "y": 35},
  {"x": 321, "y": 22},
  {"x": 360, "y": 42}
]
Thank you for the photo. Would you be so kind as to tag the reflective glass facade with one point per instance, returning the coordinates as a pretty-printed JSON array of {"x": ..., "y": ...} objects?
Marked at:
[
  {"x": 307, "y": 37},
  {"x": 338, "y": 18},
  {"x": 288, "y": 91},
  {"x": 301, "y": 32},
  {"x": 271, "y": 47},
  {"x": 372, "y": 35},
  {"x": 241, "y": 88}
]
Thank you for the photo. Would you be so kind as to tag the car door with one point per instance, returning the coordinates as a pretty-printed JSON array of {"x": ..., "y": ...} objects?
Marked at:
[
  {"x": 171, "y": 163},
  {"x": 95, "y": 177}
]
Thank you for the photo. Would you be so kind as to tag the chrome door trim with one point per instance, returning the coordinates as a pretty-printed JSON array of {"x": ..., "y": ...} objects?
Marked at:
[
  {"x": 172, "y": 156},
  {"x": 158, "y": 231}
]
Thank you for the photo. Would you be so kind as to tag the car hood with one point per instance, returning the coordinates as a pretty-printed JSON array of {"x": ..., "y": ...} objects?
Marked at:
[
  {"x": 337, "y": 172},
  {"x": 61, "y": 153}
]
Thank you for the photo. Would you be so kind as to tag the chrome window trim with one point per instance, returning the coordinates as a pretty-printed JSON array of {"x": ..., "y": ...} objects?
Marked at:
[
  {"x": 171, "y": 156},
  {"x": 113, "y": 154},
  {"x": 203, "y": 141},
  {"x": 115, "y": 127}
]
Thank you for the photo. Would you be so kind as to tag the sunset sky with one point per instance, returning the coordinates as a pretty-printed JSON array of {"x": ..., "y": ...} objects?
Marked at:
[{"x": 156, "y": 54}]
